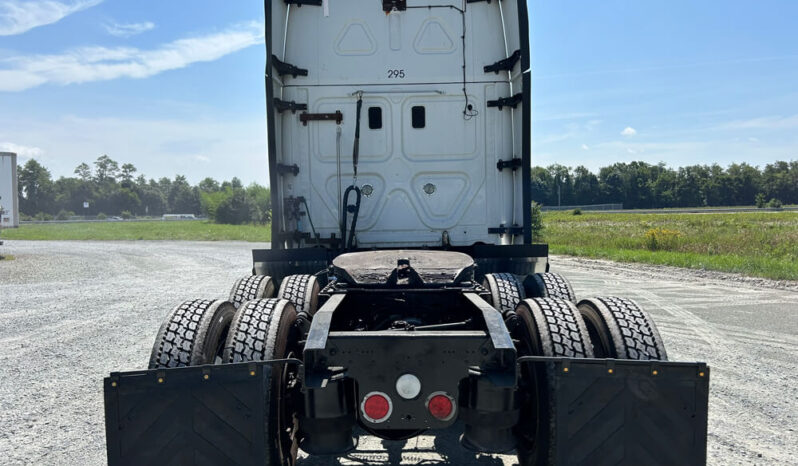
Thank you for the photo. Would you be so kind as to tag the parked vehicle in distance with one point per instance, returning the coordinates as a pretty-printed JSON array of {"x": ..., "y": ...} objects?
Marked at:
[{"x": 179, "y": 217}]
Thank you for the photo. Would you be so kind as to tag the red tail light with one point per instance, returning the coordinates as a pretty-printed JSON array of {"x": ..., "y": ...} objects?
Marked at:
[
  {"x": 376, "y": 407},
  {"x": 440, "y": 406}
]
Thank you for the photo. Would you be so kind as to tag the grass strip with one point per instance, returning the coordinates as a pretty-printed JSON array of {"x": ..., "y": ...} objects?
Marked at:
[
  {"x": 758, "y": 244},
  {"x": 154, "y": 230}
]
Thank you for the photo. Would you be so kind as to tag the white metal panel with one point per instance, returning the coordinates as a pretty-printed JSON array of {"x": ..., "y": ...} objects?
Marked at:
[{"x": 424, "y": 181}]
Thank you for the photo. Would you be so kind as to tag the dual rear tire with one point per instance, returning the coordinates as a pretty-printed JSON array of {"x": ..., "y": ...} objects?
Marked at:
[
  {"x": 547, "y": 321},
  {"x": 251, "y": 326}
]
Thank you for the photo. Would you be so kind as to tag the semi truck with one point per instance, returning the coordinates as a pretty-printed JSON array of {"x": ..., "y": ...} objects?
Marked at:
[{"x": 403, "y": 293}]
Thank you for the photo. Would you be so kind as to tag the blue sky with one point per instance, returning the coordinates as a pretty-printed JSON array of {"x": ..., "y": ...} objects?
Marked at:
[{"x": 176, "y": 87}]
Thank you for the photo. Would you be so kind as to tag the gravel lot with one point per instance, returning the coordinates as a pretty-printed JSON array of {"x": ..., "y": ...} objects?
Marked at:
[{"x": 74, "y": 311}]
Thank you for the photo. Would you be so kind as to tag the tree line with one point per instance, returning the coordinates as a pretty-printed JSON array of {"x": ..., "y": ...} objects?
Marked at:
[
  {"x": 111, "y": 189},
  {"x": 639, "y": 185},
  {"x": 118, "y": 190}
]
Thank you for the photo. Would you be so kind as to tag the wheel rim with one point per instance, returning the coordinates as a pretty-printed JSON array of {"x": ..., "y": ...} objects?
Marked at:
[
  {"x": 533, "y": 406},
  {"x": 287, "y": 385}
]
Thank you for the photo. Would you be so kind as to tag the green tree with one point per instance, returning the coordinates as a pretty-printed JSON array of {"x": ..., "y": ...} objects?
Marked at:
[
  {"x": 84, "y": 172},
  {"x": 586, "y": 186},
  {"x": 128, "y": 169},
  {"x": 183, "y": 199},
  {"x": 208, "y": 185},
  {"x": 36, "y": 188},
  {"x": 261, "y": 199},
  {"x": 541, "y": 182},
  {"x": 235, "y": 209},
  {"x": 105, "y": 169}
]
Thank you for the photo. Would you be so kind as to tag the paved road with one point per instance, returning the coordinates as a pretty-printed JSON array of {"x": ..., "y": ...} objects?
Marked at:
[{"x": 71, "y": 312}]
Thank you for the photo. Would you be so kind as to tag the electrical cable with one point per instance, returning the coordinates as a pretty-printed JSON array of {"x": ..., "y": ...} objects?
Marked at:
[
  {"x": 468, "y": 110},
  {"x": 310, "y": 220}
]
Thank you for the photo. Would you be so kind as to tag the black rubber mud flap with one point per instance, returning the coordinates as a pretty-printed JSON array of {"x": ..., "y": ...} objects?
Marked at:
[
  {"x": 192, "y": 415},
  {"x": 610, "y": 411}
]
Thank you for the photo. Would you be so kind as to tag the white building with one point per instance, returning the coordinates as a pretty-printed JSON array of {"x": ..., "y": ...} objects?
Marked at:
[{"x": 9, "y": 201}]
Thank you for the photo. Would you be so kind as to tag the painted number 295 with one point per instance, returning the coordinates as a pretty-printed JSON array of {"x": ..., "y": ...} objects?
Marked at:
[{"x": 396, "y": 73}]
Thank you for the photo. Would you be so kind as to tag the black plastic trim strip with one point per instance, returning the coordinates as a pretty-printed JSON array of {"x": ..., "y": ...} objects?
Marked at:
[
  {"x": 526, "y": 119},
  {"x": 277, "y": 209}
]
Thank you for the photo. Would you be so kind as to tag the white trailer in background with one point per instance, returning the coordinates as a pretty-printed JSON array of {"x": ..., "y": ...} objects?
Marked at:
[{"x": 9, "y": 200}]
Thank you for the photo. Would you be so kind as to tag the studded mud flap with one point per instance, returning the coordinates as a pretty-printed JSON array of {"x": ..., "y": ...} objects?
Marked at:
[
  {"x": 608, "y": 411},
  {"x": 192, "y": 415}
]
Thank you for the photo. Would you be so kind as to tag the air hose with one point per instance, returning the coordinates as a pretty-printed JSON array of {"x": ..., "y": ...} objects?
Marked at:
[{"x": 354, "y": 209}]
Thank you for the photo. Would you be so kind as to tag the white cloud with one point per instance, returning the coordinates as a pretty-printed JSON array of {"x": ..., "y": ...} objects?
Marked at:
[
  {"x": 585, "y": 147},
  {"x": 628, "y": 131},
  {"x": 202, "y": 158},
  {"x": 18, "y": 16},
  {"x": 128, "y": 30},
  {"x": 24, "y": 152},
  {"x": 89, "y": 64}
]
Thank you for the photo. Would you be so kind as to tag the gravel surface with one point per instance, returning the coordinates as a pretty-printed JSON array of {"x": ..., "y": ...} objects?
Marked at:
[{"x": 74, "y": 311}]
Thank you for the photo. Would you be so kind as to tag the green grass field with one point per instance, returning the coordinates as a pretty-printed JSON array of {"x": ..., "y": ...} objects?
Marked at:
[
  {"x": 154, "y": 230},
  {"x": 758, "y": 244}
]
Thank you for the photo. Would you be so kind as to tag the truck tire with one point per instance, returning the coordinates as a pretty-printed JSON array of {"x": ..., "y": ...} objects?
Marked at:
[
  {"x": 264, "y": 329},
  {"x": 251, "y": 287},
  {"x": 506, "y": 290},
  {"x": 550, "y": 327},
  {"x": 550, "y": 285},
  {"x": 560, "y": 329},
  {"x": 193, "y": 334},
  {"x": 619, "y": 328},
  {"x": 303, "y": 291}
]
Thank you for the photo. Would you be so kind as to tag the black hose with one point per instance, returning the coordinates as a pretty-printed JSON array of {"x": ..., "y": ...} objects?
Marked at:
[
  {"x": 356, "y": 147},
  {"x": 312, "y": 228},
  {"x": 355, "y": 210}
]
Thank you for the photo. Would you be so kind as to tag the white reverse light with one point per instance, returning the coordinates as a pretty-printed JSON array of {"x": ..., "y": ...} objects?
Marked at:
[{"x": 408, "y": 386}]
